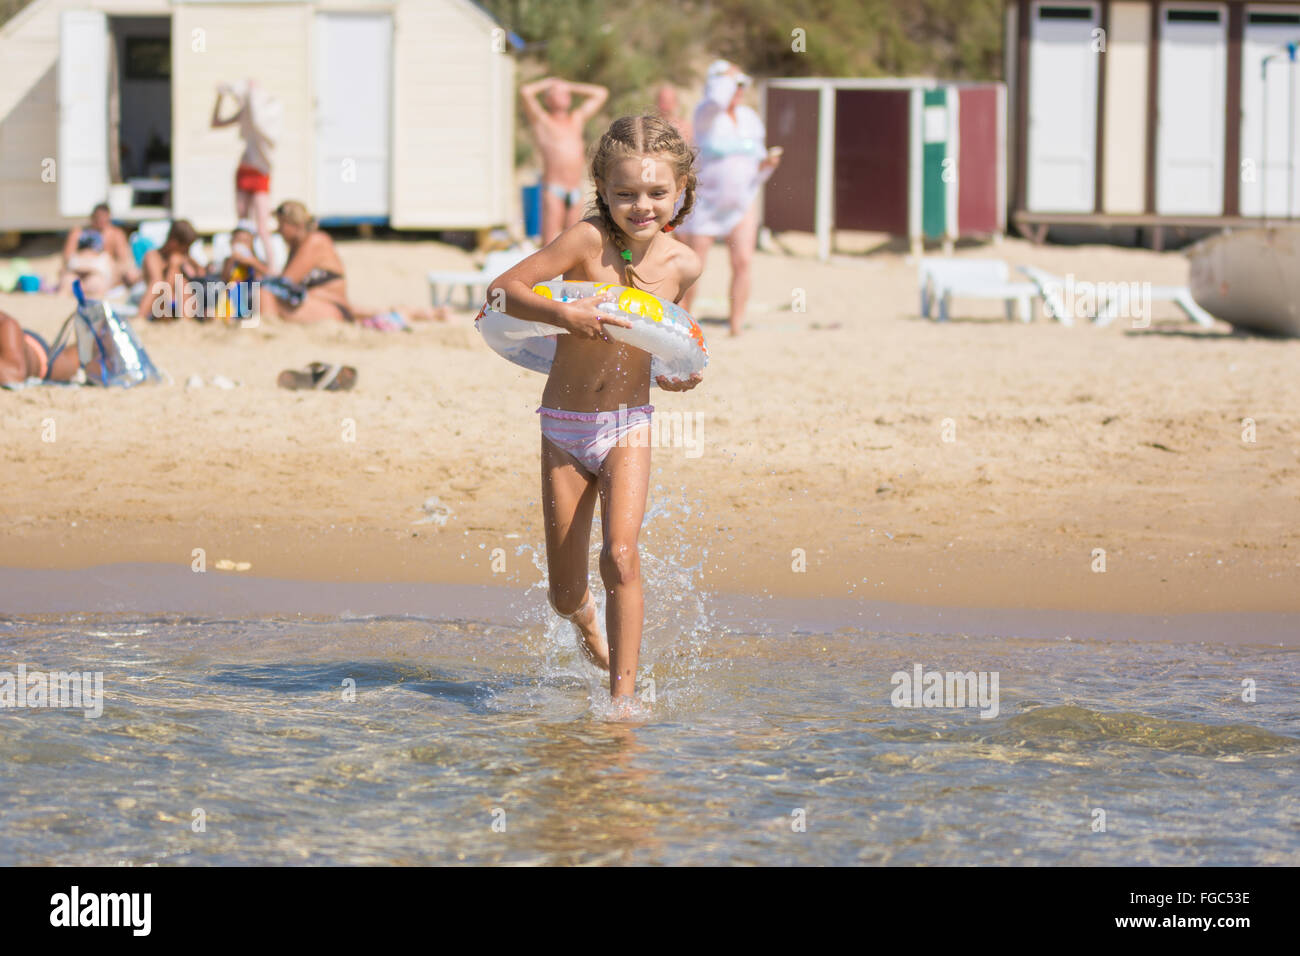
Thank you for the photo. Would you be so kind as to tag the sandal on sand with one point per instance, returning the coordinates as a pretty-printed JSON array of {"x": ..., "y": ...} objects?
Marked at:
[{"x": 319, "y": 376}]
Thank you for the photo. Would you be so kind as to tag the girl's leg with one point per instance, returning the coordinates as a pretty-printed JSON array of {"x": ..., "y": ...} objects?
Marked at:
[
  {"x": 568, "y": 502},
  {"x": 741, "y": 243},
  {"x": 624, "y": 482},
  {"x": 701, "y": 245}
]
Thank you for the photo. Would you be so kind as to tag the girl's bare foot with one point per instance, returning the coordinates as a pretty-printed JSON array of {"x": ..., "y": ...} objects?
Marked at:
[
  {"x": 591, "y": 641},
  {"x": 628, "y": 708}
]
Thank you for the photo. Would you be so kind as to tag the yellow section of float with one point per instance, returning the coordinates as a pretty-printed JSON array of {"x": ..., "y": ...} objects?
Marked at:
[{"x": 636, "y": 302}]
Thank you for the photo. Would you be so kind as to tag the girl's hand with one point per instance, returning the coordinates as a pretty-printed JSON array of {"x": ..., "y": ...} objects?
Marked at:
[
  {"x": 587, "y": 321},
  {"x": 679, "y": 384}
]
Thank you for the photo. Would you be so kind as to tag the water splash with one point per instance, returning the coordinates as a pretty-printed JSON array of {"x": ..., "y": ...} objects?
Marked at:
[{"x": 679, "y": 619}]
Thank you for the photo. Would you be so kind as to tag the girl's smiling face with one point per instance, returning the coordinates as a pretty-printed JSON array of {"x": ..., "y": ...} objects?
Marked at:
[{"x": 641, "y": 192}]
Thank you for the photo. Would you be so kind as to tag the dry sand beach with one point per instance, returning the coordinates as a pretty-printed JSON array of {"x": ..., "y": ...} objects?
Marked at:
[{"x": 821, "y": 430}]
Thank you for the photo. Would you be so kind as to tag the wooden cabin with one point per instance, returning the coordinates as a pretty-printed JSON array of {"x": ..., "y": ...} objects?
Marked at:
[
  {"x": 1152, "y": 115},
  {"x": 395, "y": 111}
]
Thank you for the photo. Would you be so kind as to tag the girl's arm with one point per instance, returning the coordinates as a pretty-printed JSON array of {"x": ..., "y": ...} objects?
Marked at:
[
  {"x": 689, "y": 269},
  {"x": 512, "y": 292}
]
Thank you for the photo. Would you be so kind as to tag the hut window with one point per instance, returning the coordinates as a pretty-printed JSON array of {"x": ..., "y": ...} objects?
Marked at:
[
  {"x": 1065, "y": 13},
  {"x": 1193, "y": 16},
  {"x": 1286, "y": 19}
]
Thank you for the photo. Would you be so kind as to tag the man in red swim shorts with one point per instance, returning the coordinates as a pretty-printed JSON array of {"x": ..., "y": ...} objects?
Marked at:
[{"x": 259, "y": 115}]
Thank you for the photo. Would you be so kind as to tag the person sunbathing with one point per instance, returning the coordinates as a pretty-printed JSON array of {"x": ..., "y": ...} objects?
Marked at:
[
  {"x": 312, "y": 286},
  {"x": 166, "y": 272},
  {"x": 24, "y": 354},
  {"x": 92, "y": 264},
  {"x": 115, "y": 244}
]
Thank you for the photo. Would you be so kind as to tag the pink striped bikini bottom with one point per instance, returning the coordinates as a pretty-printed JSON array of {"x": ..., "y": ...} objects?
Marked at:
[{"x": 589, "y": 436}]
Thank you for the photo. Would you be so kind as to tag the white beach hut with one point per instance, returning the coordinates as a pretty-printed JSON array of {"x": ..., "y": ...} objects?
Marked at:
[
  {"x": 394, "y": 111},
  {"x": 1153, "y": 114}
]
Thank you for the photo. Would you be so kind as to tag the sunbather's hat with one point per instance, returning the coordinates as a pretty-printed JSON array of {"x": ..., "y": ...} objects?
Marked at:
[{"x": 91, "y": 239}]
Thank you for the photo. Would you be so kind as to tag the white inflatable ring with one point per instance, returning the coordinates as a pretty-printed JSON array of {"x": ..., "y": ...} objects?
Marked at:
[{"x": 663, "y": 329}]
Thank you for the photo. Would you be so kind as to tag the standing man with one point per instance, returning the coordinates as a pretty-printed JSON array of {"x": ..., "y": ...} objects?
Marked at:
[
  {"x": 667, "y": 107},
  {"x": 259, "y": 118},
  {"x": 557, "y": 126}
]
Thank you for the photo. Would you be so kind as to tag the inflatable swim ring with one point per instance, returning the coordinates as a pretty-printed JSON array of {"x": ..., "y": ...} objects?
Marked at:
[{"x": 663, "y": 329}]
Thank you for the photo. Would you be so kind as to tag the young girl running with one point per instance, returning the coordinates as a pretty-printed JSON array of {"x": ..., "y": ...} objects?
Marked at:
[{"x": 640, "y": 167}]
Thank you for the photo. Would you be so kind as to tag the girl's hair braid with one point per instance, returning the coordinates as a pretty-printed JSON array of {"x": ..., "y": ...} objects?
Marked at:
[{"x": 644, "y": 135}]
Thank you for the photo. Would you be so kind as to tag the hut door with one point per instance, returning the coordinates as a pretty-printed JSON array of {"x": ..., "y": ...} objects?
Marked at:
[
  {"x": 1063, "y": 54},
  {"x": 1266, "y": 108},
  {"x": 1192, "y": 106},
  {"x": 82, "y": 171},
  {"x": 353, "y": 132}
]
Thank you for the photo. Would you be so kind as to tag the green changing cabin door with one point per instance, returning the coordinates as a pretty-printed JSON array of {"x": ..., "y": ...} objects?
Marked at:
[{"x": 937, "y": 174}]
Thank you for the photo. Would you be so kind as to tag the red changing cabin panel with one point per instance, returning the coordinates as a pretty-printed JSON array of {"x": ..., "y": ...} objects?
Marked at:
[
  {"x": 977, "y": 164},
  {"x": 871, "y": 153},
  {"x": 790, "y": 196}
]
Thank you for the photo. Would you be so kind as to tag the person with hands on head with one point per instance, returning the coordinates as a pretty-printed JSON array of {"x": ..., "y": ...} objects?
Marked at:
[{"x": 557, "y": 127}]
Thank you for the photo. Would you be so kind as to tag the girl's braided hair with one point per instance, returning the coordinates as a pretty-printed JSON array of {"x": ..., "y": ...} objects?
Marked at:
[{"x": 644, "y": 135}]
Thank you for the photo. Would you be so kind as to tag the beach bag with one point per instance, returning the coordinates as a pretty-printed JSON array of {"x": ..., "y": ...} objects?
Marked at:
[{"x": 102, "y": 334}]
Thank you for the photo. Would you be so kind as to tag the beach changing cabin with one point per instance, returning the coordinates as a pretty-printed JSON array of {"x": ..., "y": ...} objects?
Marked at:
[
  {"x": 913, "y": 158},
  {"x": 1152, "y": 115},
  {"x": 394, "y": 111}
]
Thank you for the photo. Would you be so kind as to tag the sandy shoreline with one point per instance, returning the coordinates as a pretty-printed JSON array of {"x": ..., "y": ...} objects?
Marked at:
[
  {"x": 148, "y": 591},
  {"x": 829, "y": 440}
]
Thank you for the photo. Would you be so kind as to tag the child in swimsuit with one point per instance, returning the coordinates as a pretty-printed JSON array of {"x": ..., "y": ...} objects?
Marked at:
[
  {"x": 595, "y": 411},
  {"x": 240, "y": 269}
]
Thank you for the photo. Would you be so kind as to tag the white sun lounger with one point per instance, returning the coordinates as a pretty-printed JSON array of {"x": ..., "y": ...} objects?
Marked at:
[
  {"x": 475, "y": 282},
  {"x": 1109, "y": 301},
  {"x": 1179, "y": 295},
  {"x": 942, "y": 279}
]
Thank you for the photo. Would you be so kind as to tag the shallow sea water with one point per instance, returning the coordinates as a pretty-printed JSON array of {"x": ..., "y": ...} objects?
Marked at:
[{"x": 482, "y": 743}]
